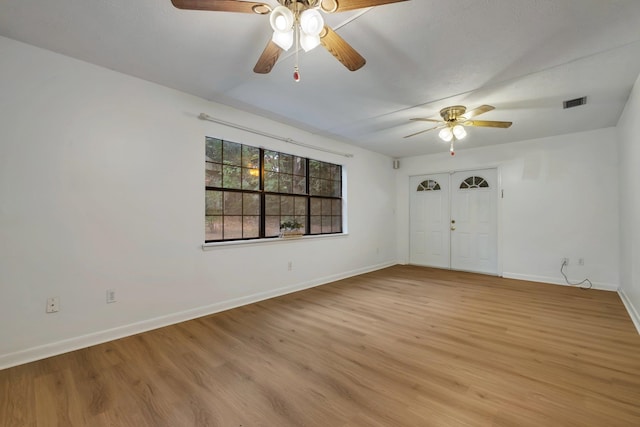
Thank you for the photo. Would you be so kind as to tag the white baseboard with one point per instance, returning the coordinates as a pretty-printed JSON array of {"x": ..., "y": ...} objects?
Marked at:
[
  {"x": 95, "y": 338},
  {"x": 633, "y": 313},
  {"x": 556, "y": 281}
]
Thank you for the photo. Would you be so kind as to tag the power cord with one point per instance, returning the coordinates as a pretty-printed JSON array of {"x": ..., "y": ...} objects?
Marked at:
[{"x": 564, "y": 263}]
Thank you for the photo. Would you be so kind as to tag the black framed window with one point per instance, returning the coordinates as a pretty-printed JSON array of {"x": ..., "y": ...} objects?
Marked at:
[{"x": 251, "y": 191}]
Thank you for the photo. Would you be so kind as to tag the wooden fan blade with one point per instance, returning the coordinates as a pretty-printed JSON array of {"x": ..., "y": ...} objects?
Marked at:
[
  {"x": 426, "y": 120},
  {"x": 330, "y": 6},
  {"x": 426, "y": 130},
  {"x": 268, "y": 59},
  {"x": 477, "y": 111},
  {"x": 341, "y": 49},
  {"x": 488, "y": 124},
  {"x": 223, "y": 6}
]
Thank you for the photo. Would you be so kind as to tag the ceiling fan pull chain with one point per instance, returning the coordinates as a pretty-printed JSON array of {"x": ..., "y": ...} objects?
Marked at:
[
  {"x": 296, "y": 71},
  {"x": 453, "y": 153}
]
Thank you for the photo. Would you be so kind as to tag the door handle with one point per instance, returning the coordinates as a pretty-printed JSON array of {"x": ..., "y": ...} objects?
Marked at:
[
  {"x": 452, "y": 227},
  {"x": 453, "y": 222}
]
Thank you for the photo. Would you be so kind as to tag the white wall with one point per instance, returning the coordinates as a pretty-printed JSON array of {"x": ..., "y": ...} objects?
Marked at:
[
  {"x": 560, "y": 200},
  {"x": 102, "y": 186},
  {"x": 629, "y": 136}
]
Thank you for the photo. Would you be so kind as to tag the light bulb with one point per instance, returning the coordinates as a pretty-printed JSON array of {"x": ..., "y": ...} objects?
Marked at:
[
  {"x": 459, "y": 131},
  {"x": 446, "y": 134}
]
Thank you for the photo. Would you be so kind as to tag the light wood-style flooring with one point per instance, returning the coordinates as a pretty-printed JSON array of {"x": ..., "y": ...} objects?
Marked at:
[{"x": 403, "y": 346}]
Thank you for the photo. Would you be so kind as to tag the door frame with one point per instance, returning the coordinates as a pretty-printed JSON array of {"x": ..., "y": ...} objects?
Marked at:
[{"x": 499, "y": 208}]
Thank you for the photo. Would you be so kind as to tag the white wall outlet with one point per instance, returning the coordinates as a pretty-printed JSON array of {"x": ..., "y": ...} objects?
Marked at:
[
  {"x": 565, "y": 261},
  {"x": 111, "y": 296},
  {"x": 581, "y": 261},
  {"x": 290, "y": 266},
  {"x": 53, "y": 304}
]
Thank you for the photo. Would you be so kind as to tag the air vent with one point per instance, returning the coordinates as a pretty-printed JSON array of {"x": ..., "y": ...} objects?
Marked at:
[{"x": 574, "y": 102}]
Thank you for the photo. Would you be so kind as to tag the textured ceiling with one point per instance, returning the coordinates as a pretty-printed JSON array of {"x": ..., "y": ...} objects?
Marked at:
[{"x": 522, "y": 56}]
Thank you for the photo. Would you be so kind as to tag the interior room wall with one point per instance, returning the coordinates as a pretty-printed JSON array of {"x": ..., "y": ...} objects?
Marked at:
[
  {"x": 102, "y": 187},
  {"x": 560, "y": 200},
  {"x": 629, "y": 138}
]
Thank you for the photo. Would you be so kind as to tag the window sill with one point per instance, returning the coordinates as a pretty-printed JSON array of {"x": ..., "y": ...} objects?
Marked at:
[{"x": 274, "y": 241}]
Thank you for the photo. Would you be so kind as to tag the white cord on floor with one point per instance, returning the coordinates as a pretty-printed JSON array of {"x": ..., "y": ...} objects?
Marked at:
[{"x": 564, "y": 263}]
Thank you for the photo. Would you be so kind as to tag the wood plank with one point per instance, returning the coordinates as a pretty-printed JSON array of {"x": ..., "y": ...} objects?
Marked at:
[{"x": 403, "y": 346}]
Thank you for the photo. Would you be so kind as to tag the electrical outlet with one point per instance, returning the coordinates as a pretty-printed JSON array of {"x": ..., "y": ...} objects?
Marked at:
[
  {"x": 290, "y": 266},
  {"x": 111, "y": 296},
  {"x": 53, "y": 304},
  {"x": 581, "y": 261},
  {"x": 565, "y": 261}
]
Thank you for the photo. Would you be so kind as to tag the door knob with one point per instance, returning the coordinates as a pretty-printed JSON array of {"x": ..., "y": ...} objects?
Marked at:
[{"x": 452, "y": 227}]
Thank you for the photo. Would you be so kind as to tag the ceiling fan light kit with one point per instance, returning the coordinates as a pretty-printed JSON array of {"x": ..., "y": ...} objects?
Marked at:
[
  {"x": 454, "y": 120},
  {"x": 298, "y": 21}
]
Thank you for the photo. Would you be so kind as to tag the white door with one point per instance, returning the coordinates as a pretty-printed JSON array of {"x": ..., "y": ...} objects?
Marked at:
[
  {"x": 429, "y": 220},
  {"x": 453, "y": 221}
]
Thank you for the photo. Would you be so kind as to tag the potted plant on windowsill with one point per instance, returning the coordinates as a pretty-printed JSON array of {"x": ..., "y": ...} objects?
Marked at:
[{"x": 291, "y": 229}]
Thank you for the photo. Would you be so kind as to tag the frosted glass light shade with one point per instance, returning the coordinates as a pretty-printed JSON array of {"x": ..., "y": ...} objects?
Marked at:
[
  {"x": 446, "y": 134},
  {"x": 281, "y": 19},
  {"x": 283, "y": 39},
  {"x": 459, "y": 131},
  {"x": 309, "y": 42},
  {"x": 311, "y": 22}
]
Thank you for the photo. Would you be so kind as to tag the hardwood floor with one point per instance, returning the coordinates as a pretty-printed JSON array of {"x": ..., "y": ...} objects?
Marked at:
[{"x": 403, "y": 346}]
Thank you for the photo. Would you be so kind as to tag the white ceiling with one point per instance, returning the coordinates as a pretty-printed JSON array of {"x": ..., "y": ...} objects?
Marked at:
[{"x": 522, "y": 56}]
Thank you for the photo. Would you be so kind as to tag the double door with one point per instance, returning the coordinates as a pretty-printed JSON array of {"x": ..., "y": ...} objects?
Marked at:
[{"x": 453, "y": 221}]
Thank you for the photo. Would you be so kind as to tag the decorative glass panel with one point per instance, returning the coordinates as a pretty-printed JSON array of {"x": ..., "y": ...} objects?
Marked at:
[
  {"x": 474, "y": 182},
  {"x": 428, "y": 185}
]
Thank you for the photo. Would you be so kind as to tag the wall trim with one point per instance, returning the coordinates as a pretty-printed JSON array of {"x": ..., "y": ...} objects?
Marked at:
[
  {"x": 100, "y": 337},
  {"x": 555, "y": 281},
  {"x": 633, "y": 313}
]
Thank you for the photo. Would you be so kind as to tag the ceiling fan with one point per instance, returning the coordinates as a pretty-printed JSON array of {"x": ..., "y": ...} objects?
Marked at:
[
  {"x": 454, "y": 119},
  {"x": 294, "y": 19}
]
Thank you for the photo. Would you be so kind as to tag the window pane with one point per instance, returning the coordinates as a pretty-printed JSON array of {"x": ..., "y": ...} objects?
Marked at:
[
  {"x": 271, "y": 182},
  {"x": 326, "y": 170},
  {"x": 336, "y": 207},
  {"x": 337, "y": 190},
  {"x": 286, "y": 163},
  {"x": 326, "y": 224},
  {"x": 327, "y": 188},
  {"x": 326, "y": 206},
  {"x": 250, "y": 179},
  {"x": 336, "y": 173},
  {"x": 272, "y": 226},
  {"x": 316, "y": 224},
  {"x": 250, "y": 226},
  {"x": 272, "y": 205},
  {"x": 214, "y": 150},
  {"x": 250, "y": 157},
  {"x": 271, "y": 161},
  {"x": 300, "y": 206},
  {"x": 316, "y": 206},
  {"x": 213, "y": 228},
  {"x": 336, "y": 226},
  {"x": 232, "y": 153},
  {"x": 299, "y": 185},
  {"x": 315, "y": 186},
  {"x": 299, "y": 166},
  {"x": 213, "y": 175},
  {"x": 314, "y": 168},
  {"x": 251, "y": 204},
  {"x": 232, "y": 227},
  {"x": 286, "y": 206},
  {"x": 232, "y": 204},
  {"x": 286, "y": 183},
  {"x": 213, "y": 203},
  {"x": 231, "y": 177}
]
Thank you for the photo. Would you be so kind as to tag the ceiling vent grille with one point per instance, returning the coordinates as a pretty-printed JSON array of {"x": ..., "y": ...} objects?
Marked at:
[{"x": 574, "y": 102}]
